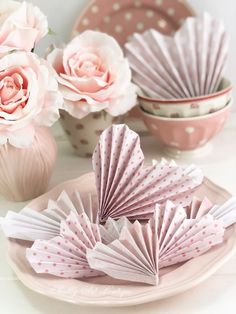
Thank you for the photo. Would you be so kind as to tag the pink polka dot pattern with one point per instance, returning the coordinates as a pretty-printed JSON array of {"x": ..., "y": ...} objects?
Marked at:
[
  {"x": 65, "y": 255},
  {"x": 172, "y": 237},
  {"x": 180, "y": 238},
  {"x": 122, "y": 18},
  {"x": 139, "y": 259},
  {"x": 126, "y": 188}
]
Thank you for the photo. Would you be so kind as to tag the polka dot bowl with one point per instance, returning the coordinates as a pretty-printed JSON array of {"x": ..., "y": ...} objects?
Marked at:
[
  {"x": 192, "y": 107},
  {"x": 186, "y": 134}
]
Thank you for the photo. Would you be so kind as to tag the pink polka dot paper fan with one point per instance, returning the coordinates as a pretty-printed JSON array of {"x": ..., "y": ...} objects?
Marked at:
[
  {"x": 65, "y": 255},
  {"x": 168, "y": 238},
  {"x": 198, "y": 208},
  {"x": 180, "y": 238},
  {"x": 226, "y": 212},
  {"x": 31, "y": 225},
  {"x": 133, "y": 257},
  {"x": 126, "y": 188},
  {"x": 121, "y": 19}
]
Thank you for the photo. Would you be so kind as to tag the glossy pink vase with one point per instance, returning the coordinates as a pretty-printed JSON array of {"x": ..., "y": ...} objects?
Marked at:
[{"x": 25, "y": 172}]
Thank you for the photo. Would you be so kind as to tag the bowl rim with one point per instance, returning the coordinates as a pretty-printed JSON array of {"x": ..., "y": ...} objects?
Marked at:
[
  {"x": 177, "y": 101},
  {"x": 225, "y": 108}
]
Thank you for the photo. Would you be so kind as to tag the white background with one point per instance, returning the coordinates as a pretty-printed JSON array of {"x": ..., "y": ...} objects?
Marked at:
[{"x": 62, "y": 15}]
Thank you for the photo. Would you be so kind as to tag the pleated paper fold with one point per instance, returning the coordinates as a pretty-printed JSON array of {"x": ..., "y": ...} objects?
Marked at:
[
  {"x": 189, "y": 64},
  {"x": 225, "y": 212},
  {"x": 65, "y": 255},
  {"x": 134, "y": 257},
  {"x": 126, "y": 188},
  {"x": 167, "y": 239},
  {"x": 31, "y": 225},
  {"x": 111, "y": 230},
  {"x": 180, "y": 238}
]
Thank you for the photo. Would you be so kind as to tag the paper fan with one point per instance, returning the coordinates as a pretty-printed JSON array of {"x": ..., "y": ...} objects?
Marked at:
[
  {"x": 111, "y": 230},
  {"x": 198, "y": 208},
  {"x": 126, "y": 188},
  {"x": 31, "y": 225},
  {"x": 134, "y": 257},
  {"x": 189, "y": 64},
  {"x": 168, "y": 238},
  {"x": 180, "y": 238},
  {"x": 65, "y": 255},
  {"x": 225, "y": 212}
]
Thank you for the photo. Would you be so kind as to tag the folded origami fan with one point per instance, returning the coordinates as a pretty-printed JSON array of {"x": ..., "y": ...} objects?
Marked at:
[
  {"x": 198, "y": 208},
  {"x": 134, "y": 257},
  {"x": 31, "y": 225},
  {"x": 126, "y": 188},
  {"x": 65, "y": 255},
  {"x": 189, "y": 64},
  {"x": 180, "y": 238},
  {"x": 111, "y": 230},
  {"x": 168, "y": 238},
  {"x": 225, "y": 212}
]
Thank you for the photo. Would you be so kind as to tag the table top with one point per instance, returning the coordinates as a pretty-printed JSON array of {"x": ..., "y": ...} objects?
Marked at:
[{"x": 216, "y": 295}]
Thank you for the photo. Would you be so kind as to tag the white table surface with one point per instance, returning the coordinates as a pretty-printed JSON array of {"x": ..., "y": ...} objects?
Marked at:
[{"x": 216, "y": 295}]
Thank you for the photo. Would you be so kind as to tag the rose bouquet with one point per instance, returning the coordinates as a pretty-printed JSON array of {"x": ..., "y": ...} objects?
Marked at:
[
  {"x": 95, "y": 81},
  {"x": 29, "y": 103}
]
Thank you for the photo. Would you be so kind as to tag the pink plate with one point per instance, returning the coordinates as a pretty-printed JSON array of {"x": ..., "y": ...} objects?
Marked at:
[
  {"x": 104, "y": 291},
  {"x": 122, "y": 18}
]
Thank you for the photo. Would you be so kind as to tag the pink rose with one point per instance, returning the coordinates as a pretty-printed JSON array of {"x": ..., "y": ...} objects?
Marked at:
[
  {"x": 22, "y": 25},
  {"x": 29, "y": 97},
  {"x": 93, "y": 75}
]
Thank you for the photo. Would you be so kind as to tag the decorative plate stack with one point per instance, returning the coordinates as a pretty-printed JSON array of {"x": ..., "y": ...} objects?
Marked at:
[{"x": 184, "y": 98}]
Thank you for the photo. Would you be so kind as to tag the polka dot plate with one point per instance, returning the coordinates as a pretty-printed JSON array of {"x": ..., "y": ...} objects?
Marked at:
[
  {"x": 105, "y": 291},
  {"x": 122, "y": 18}
]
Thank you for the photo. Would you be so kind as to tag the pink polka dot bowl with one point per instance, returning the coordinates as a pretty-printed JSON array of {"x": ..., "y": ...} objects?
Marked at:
[
  {"x": 191, "y": 107},
  {"x": 186, "y": 134},
  {"x": 83, "y": 134}
]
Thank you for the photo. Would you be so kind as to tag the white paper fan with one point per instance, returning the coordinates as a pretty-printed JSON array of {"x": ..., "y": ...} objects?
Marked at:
[
  {"x": 147, "y": 76},
  {"x": 65, "y": 255},
  {"x": 189, "y": 64},
  {"x": 225, "y": 212},
  {"x": 126, "y": 188},
  {"x": 134, "y": 257},
  {"x": 31, "y": 225},
  {"x": 111, "y": 230}
]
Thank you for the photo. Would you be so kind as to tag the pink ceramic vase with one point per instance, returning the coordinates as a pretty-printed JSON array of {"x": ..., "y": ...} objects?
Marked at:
[{"x": 25, "y": 172}]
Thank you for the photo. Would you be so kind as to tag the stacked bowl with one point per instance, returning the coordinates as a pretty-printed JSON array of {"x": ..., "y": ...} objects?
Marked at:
[{"x": 184, "y": 98}]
